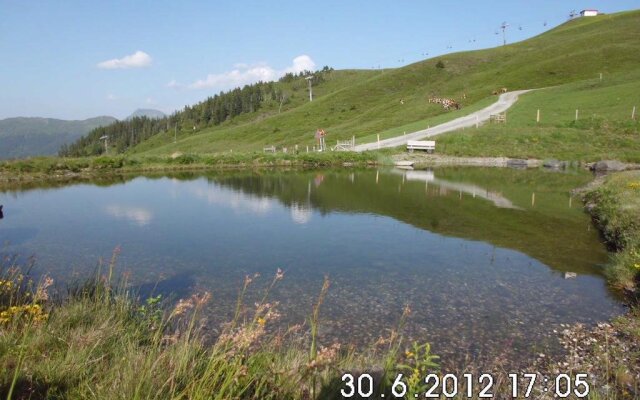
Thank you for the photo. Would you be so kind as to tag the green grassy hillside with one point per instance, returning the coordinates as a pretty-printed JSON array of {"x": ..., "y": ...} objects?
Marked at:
[
  {"x": 369, "y": 102},
  {"x": 604, "y": 128}
]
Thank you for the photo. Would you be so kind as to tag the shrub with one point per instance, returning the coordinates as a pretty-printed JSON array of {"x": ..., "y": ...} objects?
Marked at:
[
  {"x": 106, "y": 162},
  {"x": 185, "y": 159}
]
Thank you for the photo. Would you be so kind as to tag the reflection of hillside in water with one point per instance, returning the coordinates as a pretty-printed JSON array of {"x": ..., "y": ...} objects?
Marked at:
[{"x": 495, "y": 210}]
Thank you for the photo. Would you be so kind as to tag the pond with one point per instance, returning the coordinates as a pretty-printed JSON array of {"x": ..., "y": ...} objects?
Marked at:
[{"x": 490, "y": 261}]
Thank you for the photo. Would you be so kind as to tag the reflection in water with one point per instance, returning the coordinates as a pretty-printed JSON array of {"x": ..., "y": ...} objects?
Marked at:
[
  {"x": 238, "y": 201},
  {"x": 428, "y": 177},
  {"x": 482, "y": 269},
  {"x": 300, "y": 213},
  {"x": 318, "y": 180},
  {"x": 138, "y": 215}
]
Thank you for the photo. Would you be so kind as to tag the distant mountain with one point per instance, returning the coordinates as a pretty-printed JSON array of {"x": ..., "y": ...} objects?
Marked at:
[
  {"x": 25, "y": 137},
  {"x": 147, "y": 112}
]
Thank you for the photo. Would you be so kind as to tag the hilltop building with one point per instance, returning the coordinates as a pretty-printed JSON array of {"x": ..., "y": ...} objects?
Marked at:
[{"x": 589, "y": 13}]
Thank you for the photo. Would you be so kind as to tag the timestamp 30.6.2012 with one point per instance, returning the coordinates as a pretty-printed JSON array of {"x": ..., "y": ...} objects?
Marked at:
[{"x": 523, "y": 385}]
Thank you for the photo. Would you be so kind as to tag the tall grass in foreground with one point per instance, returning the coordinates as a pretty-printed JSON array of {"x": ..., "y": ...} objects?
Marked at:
[{"x": 100, "y": 341}]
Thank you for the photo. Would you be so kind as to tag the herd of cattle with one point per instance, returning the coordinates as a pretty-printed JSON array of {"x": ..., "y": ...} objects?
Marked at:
[
  {"x": 498, "y": 91},
  {"x": 449, "y": 104}
]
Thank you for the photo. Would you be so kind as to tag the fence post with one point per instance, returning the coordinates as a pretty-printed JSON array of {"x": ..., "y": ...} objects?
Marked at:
[
  {"x": 307, "y": 148},
  {"x": 538, "y": 116},
  {"x": 576, "y": 114},
  {"x": 633, "y": 113},
  {"x": 378, "y": 141},
  {"x": 600, "y": 76},
  {"x": 477, "y": 121}
]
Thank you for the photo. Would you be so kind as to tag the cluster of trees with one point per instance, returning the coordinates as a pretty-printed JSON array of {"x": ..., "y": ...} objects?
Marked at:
[{"x": 210, "y": 112}]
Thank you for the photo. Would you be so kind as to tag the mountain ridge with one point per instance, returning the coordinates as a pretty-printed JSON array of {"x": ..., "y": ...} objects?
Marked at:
[{"x": 22, "y": 137}]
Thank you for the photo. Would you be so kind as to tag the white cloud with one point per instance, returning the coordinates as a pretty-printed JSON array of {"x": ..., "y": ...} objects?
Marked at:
[
  {"x": 174, "y": 84},
  {"x": 301, "y": 63},
  {"x": 111, "y": 97},
  {"x": 151, "y": 100},
  {"x": 138, "y": 59},
  {"x": 244, "y": 74}
]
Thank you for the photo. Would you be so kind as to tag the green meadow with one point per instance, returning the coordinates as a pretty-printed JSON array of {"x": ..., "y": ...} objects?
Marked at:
[{"x": 603, "y": 129}]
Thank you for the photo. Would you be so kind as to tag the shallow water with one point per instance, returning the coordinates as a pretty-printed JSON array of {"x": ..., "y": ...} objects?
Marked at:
[{"x": 480, "y": 255}]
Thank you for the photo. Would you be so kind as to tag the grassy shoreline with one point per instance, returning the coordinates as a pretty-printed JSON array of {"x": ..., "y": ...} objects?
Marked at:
[
  {"x": 615, "y": 208},
  {"x": 55, "y": 168},
  {"x": 67, "y": 169},
  {"x": 99, "y": 340}
]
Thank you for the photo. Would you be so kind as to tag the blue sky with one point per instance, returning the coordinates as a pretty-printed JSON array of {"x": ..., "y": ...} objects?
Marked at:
[{"x": 68, "y": 59}]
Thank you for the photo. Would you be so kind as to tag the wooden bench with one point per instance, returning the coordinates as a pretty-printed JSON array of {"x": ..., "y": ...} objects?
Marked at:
[
  {"x": 270, "y": 149},
  {"x": 428, "y": 145}
]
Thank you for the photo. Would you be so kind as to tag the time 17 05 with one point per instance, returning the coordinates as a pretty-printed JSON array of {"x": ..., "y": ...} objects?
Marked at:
[{"x": 521, "y": 385}]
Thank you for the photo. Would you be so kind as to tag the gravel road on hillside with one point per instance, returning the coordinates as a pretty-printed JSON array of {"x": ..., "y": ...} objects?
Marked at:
[{"x": 505, "y": 101}]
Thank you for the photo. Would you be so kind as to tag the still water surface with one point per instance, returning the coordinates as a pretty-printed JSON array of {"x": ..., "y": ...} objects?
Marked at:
[{"x": 480, "y": 255}]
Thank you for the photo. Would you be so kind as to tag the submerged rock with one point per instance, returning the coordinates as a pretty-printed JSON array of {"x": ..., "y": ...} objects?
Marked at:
[
  {"x": 609, "y": 165},
  {"x": 517, "y": 163}
]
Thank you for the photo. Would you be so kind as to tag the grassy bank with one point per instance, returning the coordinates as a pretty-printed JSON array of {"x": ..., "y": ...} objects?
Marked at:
[
  {"x": 610, "y": 352},
  {"x": 615, "y": 207},
  {"x": 99, "y": 341},
  {"x": 47, "y": 168}
]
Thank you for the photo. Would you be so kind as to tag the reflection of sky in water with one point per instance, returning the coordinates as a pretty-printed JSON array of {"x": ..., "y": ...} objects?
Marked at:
[
  {"x": 137, "y": 215},
  {"x": 300, "y": 213},
  {"x": 237, "y": 201},
  {"x": 466, "y": 295}
]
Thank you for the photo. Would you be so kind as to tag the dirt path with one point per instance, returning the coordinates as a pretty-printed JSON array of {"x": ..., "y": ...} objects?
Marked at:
[{"x": 505, "y": 101}]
